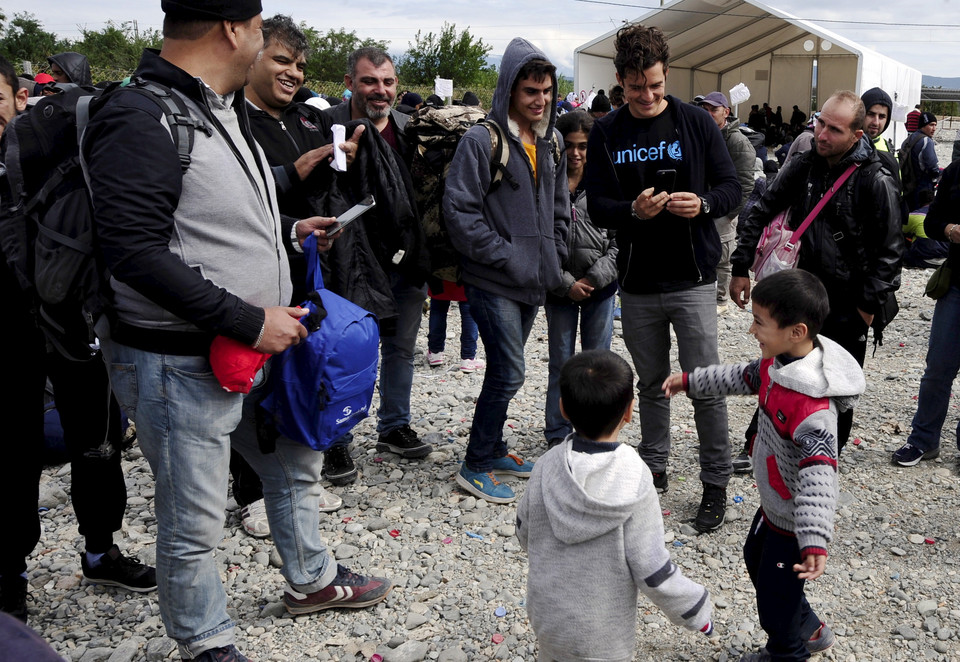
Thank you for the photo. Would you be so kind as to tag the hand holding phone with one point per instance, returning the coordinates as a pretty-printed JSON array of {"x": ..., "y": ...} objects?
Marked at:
[
  {"x": 664, "y": 181},
  {"x": 352, "y": 214}
]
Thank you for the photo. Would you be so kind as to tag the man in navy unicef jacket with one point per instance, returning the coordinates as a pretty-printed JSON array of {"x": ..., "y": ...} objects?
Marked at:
[
  {"x": 669, "y": 247},
  {"x": 512, "y": 240}
]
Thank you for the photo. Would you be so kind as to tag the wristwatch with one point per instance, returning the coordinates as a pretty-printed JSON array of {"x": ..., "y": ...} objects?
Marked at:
[{"x": 704, "y": 205}]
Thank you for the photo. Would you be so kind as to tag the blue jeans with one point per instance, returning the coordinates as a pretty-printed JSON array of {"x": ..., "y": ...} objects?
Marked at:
[
  {"x": 943, "y": 364},
  {"x": 186, "y": 424},
  {"x": 437, "y": 335},
  {"x": 595, "y": 319},
  {"x": 646, "y": 333},
  {"x": 504, "y": 326}
]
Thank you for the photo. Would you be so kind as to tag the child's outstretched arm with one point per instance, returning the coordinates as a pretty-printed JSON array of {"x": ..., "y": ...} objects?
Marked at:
[
  {"x": 812, "y": 567},
  {"x": 674, "y": 384}
]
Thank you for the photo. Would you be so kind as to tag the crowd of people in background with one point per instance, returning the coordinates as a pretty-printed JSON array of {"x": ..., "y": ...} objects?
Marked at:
[{"x": 576, "y": 219}]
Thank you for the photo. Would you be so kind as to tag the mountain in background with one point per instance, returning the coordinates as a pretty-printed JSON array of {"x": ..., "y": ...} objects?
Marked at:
[{"x": 938, "y": 81}]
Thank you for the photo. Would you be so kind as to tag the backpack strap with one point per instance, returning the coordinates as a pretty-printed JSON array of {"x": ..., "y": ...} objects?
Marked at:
[
  {"x": 181, "y": 123},
  {"x": 499, "y": 155}
]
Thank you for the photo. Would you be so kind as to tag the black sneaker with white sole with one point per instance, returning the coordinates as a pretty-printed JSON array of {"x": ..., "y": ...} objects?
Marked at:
[
  {"x": 742, "y": 464},
  {"x": 404, "y": 442},
  {"x": 115, "y": 569},
  {"x": 338, "y": 466}
]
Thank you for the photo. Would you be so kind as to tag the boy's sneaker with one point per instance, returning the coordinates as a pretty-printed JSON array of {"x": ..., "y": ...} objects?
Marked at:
[
  {"x": 253, "y": 517},
  {"x": 742, "y": 464},
  {"x": 348, "y": 590},
  {"x": 329, "y": 501},
  {"x": 471, "y": 365},
  {"x": 434, "y": 359},
  {"x": 225, "y": 654},
  {"x": 13, "y": 596},
  {"x": 338, "y": 466},
  {"x": 115, "y": 569},
  {"x": 660, "y": 482},
  {"x": 404, "y": 442},
  {"x": 821, "y": 640},
  {"x": 713, "y": 508},
  {"x": 512, "y": 465},
  {"x": 909, "y": 455},
  {"x": 484, "y": 486}
]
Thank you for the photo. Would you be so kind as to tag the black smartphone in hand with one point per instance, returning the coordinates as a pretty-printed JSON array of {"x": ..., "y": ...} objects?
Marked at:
[{"x": 664, "y": 180}]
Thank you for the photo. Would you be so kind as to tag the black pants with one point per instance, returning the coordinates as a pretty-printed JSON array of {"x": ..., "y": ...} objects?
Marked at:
[
  {"x": 785, "y": 614},
  {"x": 90, "y": 417},
  {"x": 247, "y": 487}
]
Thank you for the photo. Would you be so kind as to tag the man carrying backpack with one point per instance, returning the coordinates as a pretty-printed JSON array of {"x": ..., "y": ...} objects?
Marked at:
[
  {"x": 918, "y": 160},
  {"x": 512, "y": 240},
  {"x": 195, "y": 254},
  {"x": 91, "y": 421}
]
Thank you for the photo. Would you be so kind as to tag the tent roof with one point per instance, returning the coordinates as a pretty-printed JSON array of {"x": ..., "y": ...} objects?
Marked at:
[{"x": 720, "y": 35}]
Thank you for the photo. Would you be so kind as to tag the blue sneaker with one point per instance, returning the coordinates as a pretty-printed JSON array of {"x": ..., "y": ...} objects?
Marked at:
[
  {"x": 484, "y": 486},
  {"x": 512, "y": 465},
  {"x": 909, "y": 455}
]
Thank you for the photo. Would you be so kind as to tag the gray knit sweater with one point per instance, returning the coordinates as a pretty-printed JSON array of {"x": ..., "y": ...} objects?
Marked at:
[
  {"x": 591, "y": 523},
  {"x": 795, "y": 450}
]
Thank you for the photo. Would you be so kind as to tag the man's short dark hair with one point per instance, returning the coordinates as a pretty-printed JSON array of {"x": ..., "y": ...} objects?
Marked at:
[
  {"x": 596, "y": 388},
  {"x": 577, "y": 120},
  {"x": 186, "y": 29},
  {"x": 9, "y": 74},
  {"x": 793, "y": 297},
  {"x": 284, "y": 31},
  {"x": 537, "y": 69},
  {"x": 377, "y": 57},
  {"x": 639, "y": 48}
]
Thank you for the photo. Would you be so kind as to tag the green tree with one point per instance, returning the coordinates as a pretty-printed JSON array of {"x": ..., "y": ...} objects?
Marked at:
[
  {"x": 458, "y": 56},
  {"x": 327, "y": 59},
  {"x": 25, "y": 39},
  {"x": 117, "y": 46}
]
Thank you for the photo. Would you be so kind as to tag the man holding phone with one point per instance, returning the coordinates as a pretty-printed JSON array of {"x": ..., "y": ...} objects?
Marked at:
[{"x": 669, "y": 247}]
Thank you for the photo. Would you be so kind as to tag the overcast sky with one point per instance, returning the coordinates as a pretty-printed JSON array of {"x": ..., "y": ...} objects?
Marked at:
[{"x": 926, "y": 38}]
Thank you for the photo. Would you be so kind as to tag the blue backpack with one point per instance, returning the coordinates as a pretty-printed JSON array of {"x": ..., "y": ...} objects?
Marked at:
[{"x": 322, "y": 387}]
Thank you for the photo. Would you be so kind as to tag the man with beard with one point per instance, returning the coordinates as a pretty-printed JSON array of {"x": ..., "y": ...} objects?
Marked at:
[{"x": 372, "y": 81}]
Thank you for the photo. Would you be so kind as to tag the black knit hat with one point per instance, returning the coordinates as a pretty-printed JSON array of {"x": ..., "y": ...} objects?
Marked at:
[
  {"x": 925, "y": 119},
  {"x": 215, "y": 10}
]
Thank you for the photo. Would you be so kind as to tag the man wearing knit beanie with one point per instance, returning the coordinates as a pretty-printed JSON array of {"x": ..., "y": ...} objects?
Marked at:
[
  {"x": 920, "y": 149},
  {"x": 878, "y": 105}
]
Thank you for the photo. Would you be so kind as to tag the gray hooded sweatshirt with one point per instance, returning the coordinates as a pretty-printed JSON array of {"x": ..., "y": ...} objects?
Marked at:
[
  {"x": 511, "y": 240},
  {"x": 591, "y": 523}
]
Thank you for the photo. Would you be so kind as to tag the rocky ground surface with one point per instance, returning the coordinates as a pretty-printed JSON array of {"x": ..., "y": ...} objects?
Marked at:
[{"x": 891, "y": 590}]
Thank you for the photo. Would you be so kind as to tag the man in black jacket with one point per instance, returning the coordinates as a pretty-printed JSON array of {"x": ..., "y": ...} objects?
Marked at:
[
  {"x": 855, "y": 243},
  {"x": 669, "y": 246}
]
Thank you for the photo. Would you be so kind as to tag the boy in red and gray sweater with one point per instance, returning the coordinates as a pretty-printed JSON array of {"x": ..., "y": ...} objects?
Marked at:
[{"x": 803, "y": 381}]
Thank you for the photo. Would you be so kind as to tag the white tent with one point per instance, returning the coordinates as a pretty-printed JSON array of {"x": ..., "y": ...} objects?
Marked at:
[{"x": 783, "y": 60}]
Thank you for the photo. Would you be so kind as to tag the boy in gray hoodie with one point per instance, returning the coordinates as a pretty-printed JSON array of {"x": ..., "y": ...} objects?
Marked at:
[
  {"x": 591, "y": 501},
  {"x": 803, "y": 381},
  {"x": 511, "y": 237}
]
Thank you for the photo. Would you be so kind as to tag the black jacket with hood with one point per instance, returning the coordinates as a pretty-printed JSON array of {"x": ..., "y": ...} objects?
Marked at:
[
  {"x": 75, "y": 66},
  {"x": 855, "y": 243},
  {"x": 512, "y": 240},
  {"x": 666, "y": 253}
]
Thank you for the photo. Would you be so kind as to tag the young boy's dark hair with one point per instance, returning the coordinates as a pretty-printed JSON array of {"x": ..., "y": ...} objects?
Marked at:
[
  {"x": 536, "y": 69},
  {"x": 793, "y": 297},
  {"x": 596, "y": 387},
  {"x": 9, "y": 74}
]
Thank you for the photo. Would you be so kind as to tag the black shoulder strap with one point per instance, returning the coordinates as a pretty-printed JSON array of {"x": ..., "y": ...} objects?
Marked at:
[{"x": 182, "y": 124}]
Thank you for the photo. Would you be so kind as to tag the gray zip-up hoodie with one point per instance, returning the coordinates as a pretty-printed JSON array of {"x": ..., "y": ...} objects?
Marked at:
[
  {"x": 591, "y": 524},
  {"x": 511, "y": 240}
]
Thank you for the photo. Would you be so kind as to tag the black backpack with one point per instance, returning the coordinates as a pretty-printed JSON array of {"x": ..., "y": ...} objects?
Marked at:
[
  {"x": 908, "y": 173},
  {"x": 46, "y": 215},
  {"x": 434, "y": 133}
]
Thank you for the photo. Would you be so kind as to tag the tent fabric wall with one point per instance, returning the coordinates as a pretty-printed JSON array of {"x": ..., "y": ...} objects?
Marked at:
[{"x": 715, "y": 44}]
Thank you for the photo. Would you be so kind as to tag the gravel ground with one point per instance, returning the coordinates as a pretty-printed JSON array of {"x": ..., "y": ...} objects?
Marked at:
[{"x": 891, "y": 590}]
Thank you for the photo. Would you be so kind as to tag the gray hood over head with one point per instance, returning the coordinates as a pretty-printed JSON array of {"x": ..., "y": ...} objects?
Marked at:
[
  {"x": 75, "y": 66},
  {"x": 518, "y": 53},
  {"x": 827, "y": 372}
]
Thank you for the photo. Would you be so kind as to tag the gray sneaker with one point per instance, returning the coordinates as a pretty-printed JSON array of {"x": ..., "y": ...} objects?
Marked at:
[{"x": 742, "y": 464}]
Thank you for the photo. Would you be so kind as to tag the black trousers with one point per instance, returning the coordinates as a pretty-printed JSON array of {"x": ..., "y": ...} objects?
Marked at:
[
  {"x": 92, "y": 429},
  {"x": 785, "y": 614}
]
